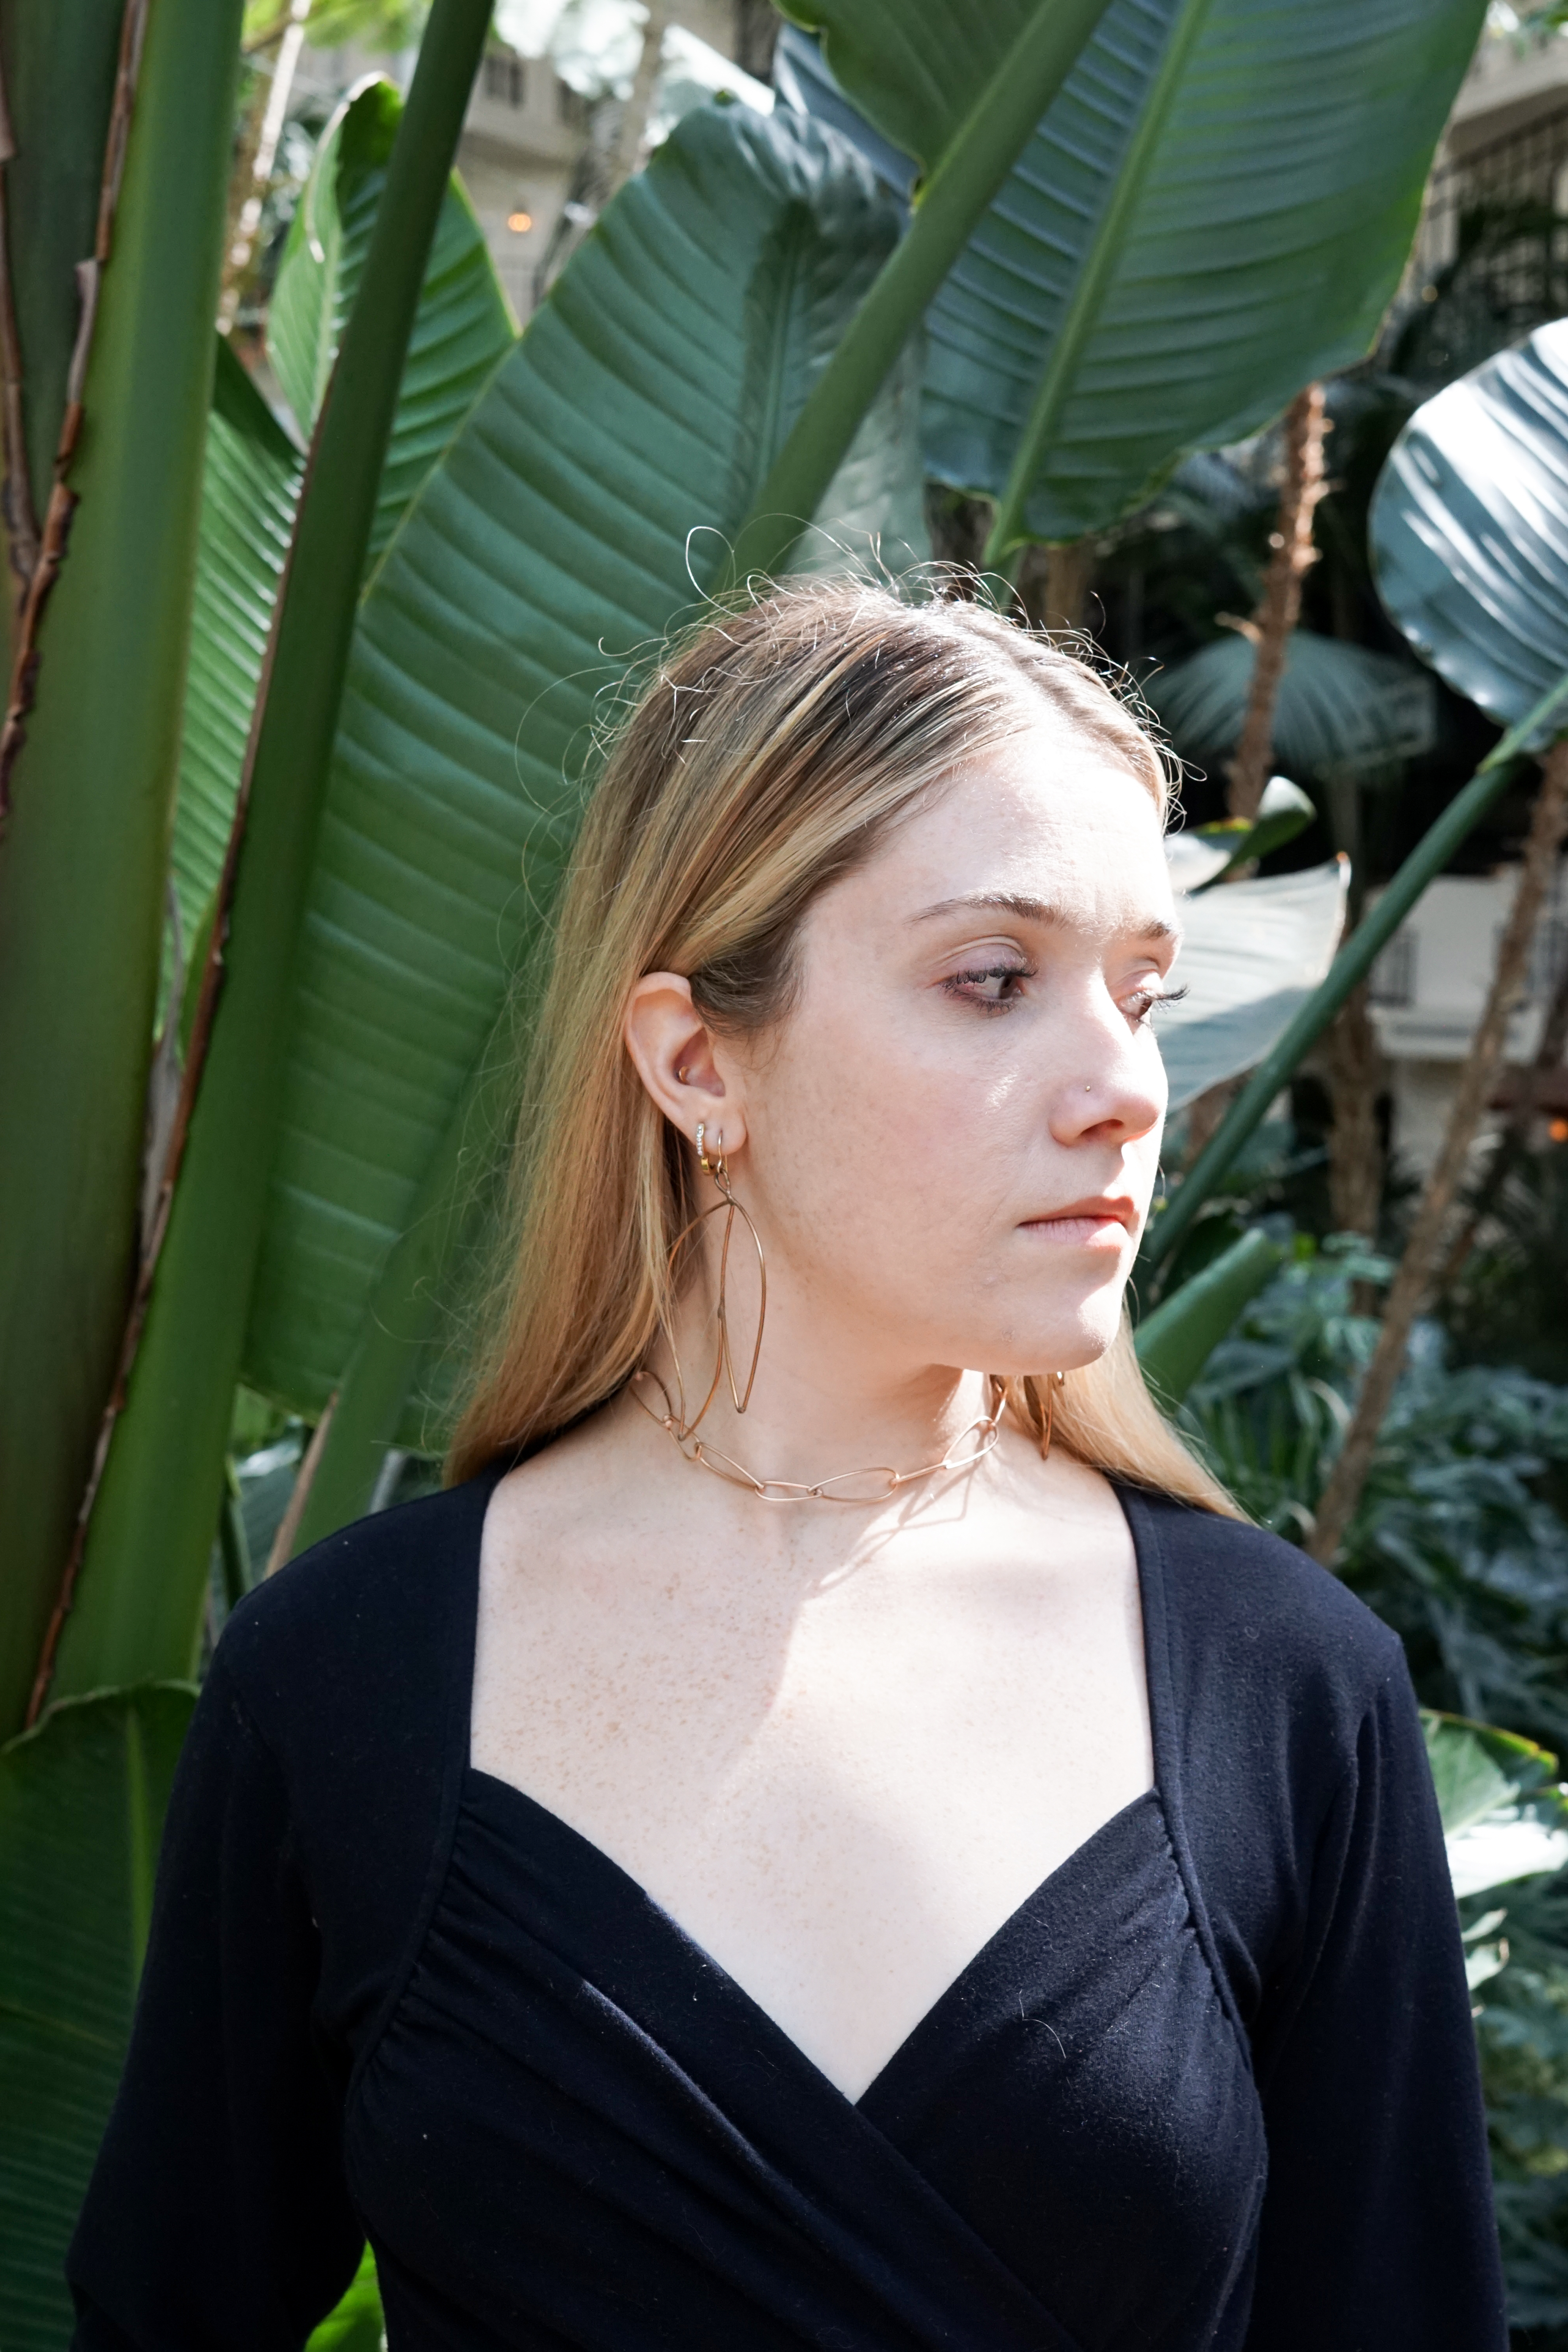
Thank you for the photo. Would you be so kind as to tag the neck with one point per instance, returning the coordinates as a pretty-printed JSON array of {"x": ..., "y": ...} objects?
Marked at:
[{"x": 820, "y": 1407}]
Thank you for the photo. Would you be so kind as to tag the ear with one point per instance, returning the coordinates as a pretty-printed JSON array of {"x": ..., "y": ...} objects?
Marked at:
[{"x": 677, "y": 1060}]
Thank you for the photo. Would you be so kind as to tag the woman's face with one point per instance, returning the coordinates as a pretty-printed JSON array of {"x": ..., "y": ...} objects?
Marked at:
[{"x": 949, "y": 1143}]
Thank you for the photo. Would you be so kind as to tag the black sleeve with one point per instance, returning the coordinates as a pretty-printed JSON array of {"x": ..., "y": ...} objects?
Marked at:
[
  {"x": 217, "y": 2213},
  {"x": 1379, "y": 2233}
]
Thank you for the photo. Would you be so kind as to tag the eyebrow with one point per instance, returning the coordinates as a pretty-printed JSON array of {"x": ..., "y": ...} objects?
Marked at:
[{"x": 1035, "y": 910}]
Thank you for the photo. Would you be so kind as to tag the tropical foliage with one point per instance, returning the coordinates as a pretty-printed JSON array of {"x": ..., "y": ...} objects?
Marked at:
[
  {"x": 1462, "y": 1542},
  {"x": 374, "y": 638}
]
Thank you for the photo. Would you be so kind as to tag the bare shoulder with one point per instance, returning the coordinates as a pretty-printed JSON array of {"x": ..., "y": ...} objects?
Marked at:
[
  {"x": 579, "y": 1493},
  {"x": 1078, "y": 1509}
]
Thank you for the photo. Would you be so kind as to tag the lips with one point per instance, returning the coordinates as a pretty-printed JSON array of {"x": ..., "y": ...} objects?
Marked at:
[{"x": 1098, "y": 1224}]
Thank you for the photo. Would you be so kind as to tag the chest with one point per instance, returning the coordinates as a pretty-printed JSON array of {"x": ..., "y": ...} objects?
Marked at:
[{"x": 840, "y": 1795}]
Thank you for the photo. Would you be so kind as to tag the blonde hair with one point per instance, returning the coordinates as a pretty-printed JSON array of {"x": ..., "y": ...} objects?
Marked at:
[{"x": 768, "y": 755}]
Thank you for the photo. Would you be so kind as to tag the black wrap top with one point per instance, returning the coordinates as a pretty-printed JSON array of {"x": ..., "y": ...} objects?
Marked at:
[{"x": 1212, "y": 2086}]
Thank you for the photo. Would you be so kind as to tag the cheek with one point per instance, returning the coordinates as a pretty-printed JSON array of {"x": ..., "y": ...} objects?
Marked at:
[{"x": 887, "y": 1141}]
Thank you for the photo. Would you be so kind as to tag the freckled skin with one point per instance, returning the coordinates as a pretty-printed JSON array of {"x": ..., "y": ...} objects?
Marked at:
[{"x": 840, "y": 1746}]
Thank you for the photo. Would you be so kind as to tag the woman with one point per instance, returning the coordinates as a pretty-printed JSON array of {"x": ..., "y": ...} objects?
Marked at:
[{"x": 831, "y": 1830}]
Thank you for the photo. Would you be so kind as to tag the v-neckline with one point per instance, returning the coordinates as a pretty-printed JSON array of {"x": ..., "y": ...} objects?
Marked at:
[
  {"x": 1151, "y": 1619},
  {"x": 629, "y": 1890}
]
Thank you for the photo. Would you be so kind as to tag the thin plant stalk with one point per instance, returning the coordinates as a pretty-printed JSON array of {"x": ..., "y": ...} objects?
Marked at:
[{"x": 1423, "y": 1251}]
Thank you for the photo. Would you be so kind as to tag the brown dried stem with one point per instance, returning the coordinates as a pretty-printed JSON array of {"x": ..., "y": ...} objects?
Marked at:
[
  {"x": 1515, "y": 1134},
  {"x": 1281, "y": 606},
  {"x": 1413, "y": 1278},
  {"x": 17, "y": 489}
]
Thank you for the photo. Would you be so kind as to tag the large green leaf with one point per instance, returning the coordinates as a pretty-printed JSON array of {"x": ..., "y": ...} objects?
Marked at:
[
  {"x": 916, "y": 68},
  {"x": 1200, "y": 858},
  {"x": 1216, "y": 208},
  {"x": 465, "y": 322},
  {"x": 251, "y": 482},
  {"x": 1177, "y": 1340},
  {"x": 136, "y": 1605},
  {"x": 1470, "y": 527},
  {"x": 590, "y": 499},
  {"x": 83, "y": 859},
  {"x": 1252, "y": 955},
  {"x": 81, "y": 1808},
  {"x": 1340, "y": 706},
  {"x": 59, "y": 65},
  {"x": 1504, "y": 1815},
  {"x": 1022, "y": 78}
]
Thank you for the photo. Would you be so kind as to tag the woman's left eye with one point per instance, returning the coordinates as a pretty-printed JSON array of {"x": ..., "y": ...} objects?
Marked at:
[{"x": 992, "y": 986}]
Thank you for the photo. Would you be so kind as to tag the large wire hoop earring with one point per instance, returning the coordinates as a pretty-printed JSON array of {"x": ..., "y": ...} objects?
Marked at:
[
  {"x": 1054, "y": 1387},
  {"x": 723, "y": 1366},
  {"x": 1044, "y": 1413}
]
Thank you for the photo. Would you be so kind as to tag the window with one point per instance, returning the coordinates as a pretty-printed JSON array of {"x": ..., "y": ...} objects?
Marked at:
[
  {"x": 1392, "y": 981},
  {"x": 504, "y": 79}
]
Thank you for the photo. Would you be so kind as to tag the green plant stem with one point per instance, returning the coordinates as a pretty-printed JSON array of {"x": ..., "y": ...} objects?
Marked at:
[
  {"x": 83, "y": 861},
  {"x": 964, "y": 181},
  {"x": 142, "y": 1575},
  {"x": 1352, "y": 964}
]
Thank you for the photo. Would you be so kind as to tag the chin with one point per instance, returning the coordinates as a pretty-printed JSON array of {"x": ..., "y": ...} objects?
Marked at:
[{"x": 1061, "y": 1342}]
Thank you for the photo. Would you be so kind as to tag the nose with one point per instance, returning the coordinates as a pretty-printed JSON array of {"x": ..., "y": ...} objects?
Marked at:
[{"x": 1112, "y": 1082}]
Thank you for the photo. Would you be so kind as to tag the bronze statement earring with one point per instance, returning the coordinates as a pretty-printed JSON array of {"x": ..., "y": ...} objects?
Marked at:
[
  {"x": 673, "y": 1419},
  {"x": 1057, "y": 1380}
]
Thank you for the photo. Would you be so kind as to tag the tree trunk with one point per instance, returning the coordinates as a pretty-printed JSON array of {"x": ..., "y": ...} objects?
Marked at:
[
  {"x": 1477, "y": 1079},
  {"x": 639, "y": 105},
  {"x": 1054, "y": 583},
  {"x": 1356, "y": 1147},
  {"x": 251, "y": 176},
  {"x": 1516, "y": 1135},
  {"x": 1280, "y": 607}
]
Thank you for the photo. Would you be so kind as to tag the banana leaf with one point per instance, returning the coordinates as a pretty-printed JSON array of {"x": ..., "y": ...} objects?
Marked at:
[
  {"x": 1216, "y": 208},
  {"x": 136, "y": 1605},
  {"x": 1198, "y": 859},
  {"x": 1178, "y": 1338},
  {"x": 1252, "y": 955},
  {"x": 1504, "y": 1814},
  {"x": 1470, "y": 527},
  {"x": 81, "y": 1808},
  {"x": 251, "y": 482},
  {"x": 588, "y": 501},
  {"x": 1341, "y": 707},
  {"x": 84, "y": 850},
  {"x": 465, "y": 322}
]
